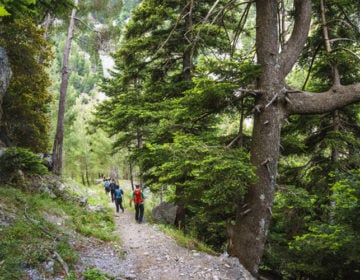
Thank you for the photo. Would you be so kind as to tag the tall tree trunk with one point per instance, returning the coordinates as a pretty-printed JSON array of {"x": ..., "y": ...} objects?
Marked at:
[
  {"x": 59, "y": 136},
  {"x": 273, "y": 104},
  {"x": 87, "y": 173},
  {"x": 131, "y": 174},
  {"x": 5, "y": 74},
  {"x": 253, "y": 217},
  {"x": 187, "y": 64},
  {"x": 83, "y": 178},
  {"x": 139, "y": 145},
  {"x": 335, "y": 81}
]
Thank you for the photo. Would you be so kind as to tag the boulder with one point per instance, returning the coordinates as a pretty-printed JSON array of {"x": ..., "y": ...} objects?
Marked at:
[{"x": 164, "y": 213}]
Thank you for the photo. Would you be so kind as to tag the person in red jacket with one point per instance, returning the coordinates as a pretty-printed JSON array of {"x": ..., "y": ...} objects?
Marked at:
[{"x": 138, "y": 198}]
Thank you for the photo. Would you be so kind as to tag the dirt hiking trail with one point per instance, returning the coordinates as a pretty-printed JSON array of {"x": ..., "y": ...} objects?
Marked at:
[{"x": 146, "y": 253}]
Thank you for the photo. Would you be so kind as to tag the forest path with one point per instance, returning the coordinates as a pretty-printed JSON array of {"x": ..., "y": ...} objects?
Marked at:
[{"x": 147, "y": 253}]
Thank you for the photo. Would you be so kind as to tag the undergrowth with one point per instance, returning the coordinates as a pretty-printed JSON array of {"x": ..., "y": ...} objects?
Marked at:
[
  {"x": 35, "y": 227},
  {"x": 186, "y": 241}
]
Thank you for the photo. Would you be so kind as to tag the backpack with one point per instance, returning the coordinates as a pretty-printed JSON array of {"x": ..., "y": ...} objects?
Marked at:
[
  {"x": 138, "y": 196},
  {"x": 107, "y": 184},
  {"x": 112, "y": 186},
  {"x": 118, "y": 193}
]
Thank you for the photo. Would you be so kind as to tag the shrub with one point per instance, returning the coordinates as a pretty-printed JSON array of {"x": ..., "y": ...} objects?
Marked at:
[
  {"x": 94, "y": 274},
  {"x": 15, "y": 159}
]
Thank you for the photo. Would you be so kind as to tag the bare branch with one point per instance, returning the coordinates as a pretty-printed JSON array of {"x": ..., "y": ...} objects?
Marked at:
[
  {"x": 98, "y": 33},
  {"x": 197, "y": 37},
  {"x": 343, "y": 39},
  {"x": 181, "y": 16},
  {"x": 272, "y": 100},
  {"x": 254, "y": 92},
  {"x": 347, "y": 50},
  {"x": 234, "y": 141},
  {"x": 62, "y": 262}
]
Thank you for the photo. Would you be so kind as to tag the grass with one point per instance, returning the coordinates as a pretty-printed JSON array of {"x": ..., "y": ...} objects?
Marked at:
[
  {"x": 32, "y": 239},
  {"x": 186, "y": 241},
  {"x": 94, "y": 274},
  {"x": 42, "y": 225}
]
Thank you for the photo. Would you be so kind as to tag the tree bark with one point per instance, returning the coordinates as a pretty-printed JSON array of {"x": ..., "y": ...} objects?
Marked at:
[
  {"x": 5, "y": 75},
  {"x": 273, "y": 105},
  {"x": 253, "y": 218},
  {"x": 187, "y": 73},
  {"x": 59, "y": 137}
]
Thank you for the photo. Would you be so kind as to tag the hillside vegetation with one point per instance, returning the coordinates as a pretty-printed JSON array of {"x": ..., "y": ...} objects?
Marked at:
[{"x": 43, "y": 222}]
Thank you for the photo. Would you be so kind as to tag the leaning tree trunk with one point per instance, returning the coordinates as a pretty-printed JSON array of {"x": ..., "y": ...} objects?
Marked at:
[{"x": 59, "y": 136}]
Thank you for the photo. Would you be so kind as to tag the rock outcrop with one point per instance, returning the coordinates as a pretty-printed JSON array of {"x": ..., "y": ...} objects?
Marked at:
[{"x": 164, "y": 213}]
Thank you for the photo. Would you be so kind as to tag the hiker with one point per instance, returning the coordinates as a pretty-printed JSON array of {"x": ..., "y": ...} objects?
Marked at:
[
  {"x": 138, "y": 198},
  {"x": 107, "y": 186},
  {"x": 118, "y": 198},
  {"x": 112, "y": 189}
]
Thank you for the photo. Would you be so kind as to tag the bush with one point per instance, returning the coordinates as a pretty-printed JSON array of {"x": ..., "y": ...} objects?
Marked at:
[
  {"x": 15, "y": 159},
  {"x": 94, "y": 274}
]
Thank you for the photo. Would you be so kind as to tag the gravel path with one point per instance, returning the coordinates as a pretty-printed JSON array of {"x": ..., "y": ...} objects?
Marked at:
[{"x": 147, "y": 253}]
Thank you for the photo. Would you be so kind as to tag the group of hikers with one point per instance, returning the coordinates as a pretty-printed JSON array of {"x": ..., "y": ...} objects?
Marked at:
[{"x": 116, "y": 195}]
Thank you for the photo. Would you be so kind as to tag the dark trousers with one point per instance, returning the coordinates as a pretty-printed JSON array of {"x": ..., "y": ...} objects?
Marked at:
[
  {"x": 118, "y": 204},
  {"x": 139, "y": 212},
  {"x": 112, "y": 195}
]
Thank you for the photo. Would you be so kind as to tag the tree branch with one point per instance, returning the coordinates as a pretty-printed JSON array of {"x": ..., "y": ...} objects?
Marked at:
[
  {"x": 316, "y": 103},
  {"x": 62, "y": 262},
  {"x": 295, "y": 44},
  {"x": 347, "y": 50},
  {"x": 181, "y": 16}
]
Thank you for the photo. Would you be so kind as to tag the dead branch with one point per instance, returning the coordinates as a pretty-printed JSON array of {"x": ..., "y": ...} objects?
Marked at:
[
  {"x": 347, "y": 50},
  {"x": 171, "y": 32},
  {"x": 36, "y": 222},
  {"x": 234, "y": 141},
  {"x": 272, "y": 100},
  {"x": 245, "y": 212},
  {"x": 62, "y": 262}
]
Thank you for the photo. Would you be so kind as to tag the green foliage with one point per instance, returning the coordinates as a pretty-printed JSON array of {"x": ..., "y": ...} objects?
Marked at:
[
  {"x": 94, "y": 274},
  {"x": 25, "y": 119},
  {"x": 186, "y": 241},
  {"x": 37, "y": 9},
  {"x": 3, "y": 12},
  {"x": 155, "y": 99},
  {"x": 71, "y": 276},
  {"x": 14, "y": 159},
  {"x": 302, "y": 247},
  {"x": 29, "y": 241},
  {"x": 97, "y": 225},
  {"x": 214, "y": 181},
  {"x": 88, "y": 223},
  {"x": 319, "y": 242},
  {"x": 292, "y": 211}
]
